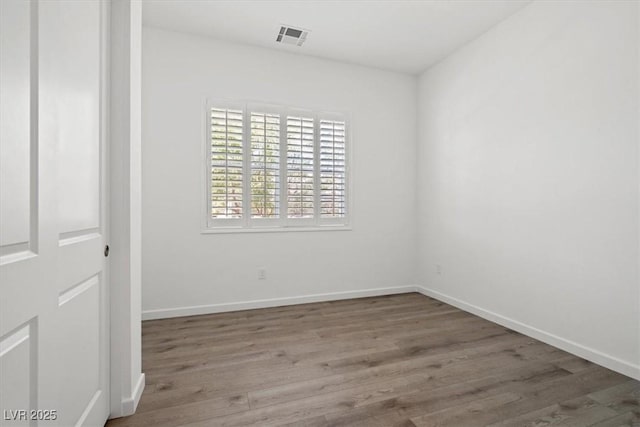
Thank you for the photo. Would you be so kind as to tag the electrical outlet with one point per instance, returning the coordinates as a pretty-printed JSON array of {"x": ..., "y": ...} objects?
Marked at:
[
  {"x": 438, "y": 269},
  {"x": 262, "y": 274}
]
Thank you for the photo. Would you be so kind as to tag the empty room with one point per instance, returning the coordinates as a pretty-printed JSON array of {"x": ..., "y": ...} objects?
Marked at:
[{"x": 320, "y": 213}]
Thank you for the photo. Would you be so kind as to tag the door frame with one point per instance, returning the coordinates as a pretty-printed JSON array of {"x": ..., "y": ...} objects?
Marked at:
[{"x": 125, "y": 260}]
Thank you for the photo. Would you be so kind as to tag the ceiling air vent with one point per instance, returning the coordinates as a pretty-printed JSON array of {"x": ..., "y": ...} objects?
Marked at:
[{"x": 291, "y": 35}]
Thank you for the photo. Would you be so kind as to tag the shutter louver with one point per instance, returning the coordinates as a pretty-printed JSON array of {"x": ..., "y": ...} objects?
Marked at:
[
  {"x": 332, "y": 169},
  {"x": 300, "y": 167},
  {"x": 226, "y": 163},
  {"x": 265, "y": 165}
]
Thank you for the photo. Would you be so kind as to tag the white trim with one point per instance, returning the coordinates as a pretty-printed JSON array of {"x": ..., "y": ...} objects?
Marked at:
[
  {"x": 234, "y": 225},
  {"x": 274, "y": 229},
  {"x": 572, "y": 347},
  {"x": 130, "y": 404},
  {"x": 124, "y": 219},
  {"x": 164, "y": 313}
]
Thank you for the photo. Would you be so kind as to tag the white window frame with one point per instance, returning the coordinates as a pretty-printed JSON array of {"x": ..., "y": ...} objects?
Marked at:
[{"x": 283, "y": 223}]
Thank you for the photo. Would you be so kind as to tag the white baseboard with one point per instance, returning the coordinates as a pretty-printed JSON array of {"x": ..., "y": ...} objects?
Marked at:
[
  {"x": 579, "y": 350},
  {"x": 130, "y": 404},
  {"x": 164, "y": 313}
]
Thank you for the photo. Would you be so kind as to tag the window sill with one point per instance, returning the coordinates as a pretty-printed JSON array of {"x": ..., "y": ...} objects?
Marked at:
[{"x": 240, "y": 230}]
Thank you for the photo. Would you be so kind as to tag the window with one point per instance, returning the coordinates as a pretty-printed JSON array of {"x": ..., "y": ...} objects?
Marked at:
[
  {"x": 300, "y": 167},
  {"x": 275, "y": 168},
  {"x": 333, "y": 172},
  {"x": 226, "y": 163},
  {"x": 265, "y": 165}
]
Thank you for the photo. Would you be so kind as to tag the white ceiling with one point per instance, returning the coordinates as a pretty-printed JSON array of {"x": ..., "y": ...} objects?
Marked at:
[{"x": 406, "y": 36}]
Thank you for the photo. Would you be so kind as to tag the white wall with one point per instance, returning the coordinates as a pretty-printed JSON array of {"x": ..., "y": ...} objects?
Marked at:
[
  {"x": 528, "y": 178},
  {"x": 184, "y": 268}
]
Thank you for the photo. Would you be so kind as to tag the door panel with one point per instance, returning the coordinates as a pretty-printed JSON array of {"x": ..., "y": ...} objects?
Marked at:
[
  {"x": 53, "y": 293},
  {"x": 15, "y": 132},
  {"x": 18, "y": 385},
  {"x": 79, "y": 317},
  {"x": 78, "y": 80},
  {"x": 71, "y": 271}
]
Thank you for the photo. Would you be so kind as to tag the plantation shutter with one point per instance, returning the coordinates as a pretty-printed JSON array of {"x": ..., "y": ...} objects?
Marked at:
[
  {"x": 226, "y": 163},
  {"x": 300, "y": 167},
  {"x": 332, "y": 169},
  {"x": 265, "y": 165},
  {"x": 272, "y": 167}
]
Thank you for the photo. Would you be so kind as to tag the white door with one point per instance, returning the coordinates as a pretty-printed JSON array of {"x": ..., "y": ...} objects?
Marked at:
[{"x": 53, "y": 286}]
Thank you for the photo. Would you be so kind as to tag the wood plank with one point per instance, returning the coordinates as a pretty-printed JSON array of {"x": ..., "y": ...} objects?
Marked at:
[
  {"x": 396, "y": 410},
  {"x": 581, "y": 411},
  {"x": 436, "y": 370},
  {"x": 186, "y": 412},
  {"x": 401, "y": 360},
  {"x": 532, "y": 398},
  {"x": 628, "y": 419},
  {"x": 623, "y": 397},
  {"x": 465, "y": 415}
]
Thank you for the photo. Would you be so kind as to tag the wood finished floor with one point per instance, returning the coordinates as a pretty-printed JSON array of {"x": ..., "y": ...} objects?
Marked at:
[{"x": 399, "y": 360}]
